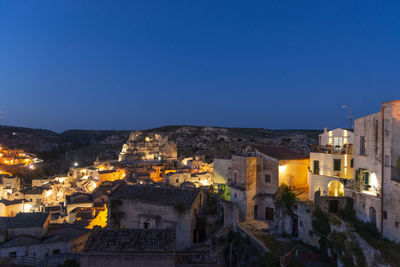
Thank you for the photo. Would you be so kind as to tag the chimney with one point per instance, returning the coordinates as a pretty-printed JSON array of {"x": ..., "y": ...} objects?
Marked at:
[{"x": 325, "y": 129}]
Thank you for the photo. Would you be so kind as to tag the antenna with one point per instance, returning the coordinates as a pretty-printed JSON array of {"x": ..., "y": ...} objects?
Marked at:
[{"x": 350, "y": 116}]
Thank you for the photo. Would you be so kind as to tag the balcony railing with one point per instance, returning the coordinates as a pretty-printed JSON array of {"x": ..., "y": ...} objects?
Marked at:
[{"x": 328, "y": 149}]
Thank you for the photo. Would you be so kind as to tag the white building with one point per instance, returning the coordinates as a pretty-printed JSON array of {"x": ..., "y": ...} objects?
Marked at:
[
  {"x": 376, "y": 156},
  {"x": 331, "y": 163}
]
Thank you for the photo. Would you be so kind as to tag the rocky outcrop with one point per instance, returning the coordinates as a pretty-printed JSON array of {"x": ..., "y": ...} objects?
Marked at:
[{"x": 148, "y": 146}]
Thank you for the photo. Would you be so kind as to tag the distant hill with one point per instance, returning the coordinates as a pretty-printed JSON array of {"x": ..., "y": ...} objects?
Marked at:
[{"x": 83, "y": 146}]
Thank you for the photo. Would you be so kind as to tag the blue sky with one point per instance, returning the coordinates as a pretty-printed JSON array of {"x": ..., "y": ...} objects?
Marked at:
[{"x": 142, "y": 64}]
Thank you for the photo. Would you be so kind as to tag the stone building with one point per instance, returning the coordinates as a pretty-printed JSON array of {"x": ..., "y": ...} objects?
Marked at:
[
  {"x": 153, "y": 207},
  {"x": 57, "y": 240},
  {"x": 256, "y": 178},
  {"x": 198, "y": 179},
  {"x": 377, "y": 169},
  {"x": 8, "y": 185},
  {"x": 331, "y": 163},
  {"x": 31, "y": 224},
  {"x": 129, "y": 247},
  {"x": 148, "y": 146},
  {"x": 10, "y": 208}
]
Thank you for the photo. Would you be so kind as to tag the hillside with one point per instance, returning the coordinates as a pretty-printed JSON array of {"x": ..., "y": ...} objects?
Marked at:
[{"x": 60, "y": 151}]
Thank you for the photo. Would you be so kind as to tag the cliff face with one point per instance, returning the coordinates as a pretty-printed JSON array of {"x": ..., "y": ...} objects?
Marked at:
[{"x": 148, "y": 146}]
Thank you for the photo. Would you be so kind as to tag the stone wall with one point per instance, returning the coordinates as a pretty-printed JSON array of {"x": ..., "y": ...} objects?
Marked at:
[{"x": 325, "y": 202}]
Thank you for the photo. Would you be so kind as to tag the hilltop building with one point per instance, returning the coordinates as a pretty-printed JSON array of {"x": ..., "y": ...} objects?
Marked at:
[{"x": 148, "y": 146}]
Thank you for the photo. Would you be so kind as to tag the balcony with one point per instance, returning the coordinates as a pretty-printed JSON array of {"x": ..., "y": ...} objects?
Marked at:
[{"x": 328, "y": 149}]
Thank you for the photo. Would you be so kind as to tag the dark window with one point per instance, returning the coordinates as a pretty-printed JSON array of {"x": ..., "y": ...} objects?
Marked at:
[
  {"x": 316, "y": 167},
  {"x": 56, "y": 252},
  {"x": 395, "y": 173},
  {"x": 177, "y": 181},
  {"x": 333, "y": 206},
  {"x": 385, "y": 215},
  {"x": 352, "y": 163},
  {"x": 12, "y": 254},
  {"x": 146, "y": 225},
  {"x": 267, "y": 178},
  {"x": 362, "y": 145},
  {"x": 255, "y": 211},
  {"x": 269, "y": 213},
  {"x": 235, "y": 178},
  {"x": 337, "y": 165}
]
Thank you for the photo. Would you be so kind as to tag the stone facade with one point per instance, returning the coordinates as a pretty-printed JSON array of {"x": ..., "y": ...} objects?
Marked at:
[
  {"x": 160, "y": 212},
  {"x": 256, "y": 178},
  {"x": 151, "y": 146},
  {"x": 222, "y": 171},
  {"x": 374, "y": 153}
]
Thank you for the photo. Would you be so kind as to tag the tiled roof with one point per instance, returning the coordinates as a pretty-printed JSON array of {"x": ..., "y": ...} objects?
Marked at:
[
  {"x": 63, "y": 232},
  {"x": 131, "y": 240},
  {"x": 79, "y": 198},
  {"x": 155, "y": 194},
  {"x": 12, "y": 202},
  {"x": 22, "y": 220},
  {"x": 279, "y": 152},
  {"x": 32, "y": 191},
  {"x": 22, "y": 240}
]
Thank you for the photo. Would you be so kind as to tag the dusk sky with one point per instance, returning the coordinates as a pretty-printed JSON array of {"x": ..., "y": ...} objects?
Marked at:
[{"x": 144, "y": 64}]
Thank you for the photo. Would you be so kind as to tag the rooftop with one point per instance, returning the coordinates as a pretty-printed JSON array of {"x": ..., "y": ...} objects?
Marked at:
[
  {"x": 23, "y": 220},
  {"x": 279, "y": 152},
  {"x": 79, "y": 198},
  {"x": 158, "y": 195},
  {"x": 131, "y": 240}
]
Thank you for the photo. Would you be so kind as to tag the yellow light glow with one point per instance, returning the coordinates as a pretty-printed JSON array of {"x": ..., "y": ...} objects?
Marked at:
[
  {"x": 282, "y": 168},
  {"x": 48, "y": 193},
  {"x": 373, "y": 181},
  {"x": 27, "y": 207}
]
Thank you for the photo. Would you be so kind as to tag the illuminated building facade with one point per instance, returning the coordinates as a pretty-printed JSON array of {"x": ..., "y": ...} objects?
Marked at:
[
  {"x": 377, "y": 155},
  {"x": 256, "y": 177},
  {"x": 331, "y": 163}
]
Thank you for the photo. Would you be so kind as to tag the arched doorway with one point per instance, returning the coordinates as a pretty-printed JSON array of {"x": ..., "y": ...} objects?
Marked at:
[
  {"x": 372, "y": 215},
  {"x": 335, "y": 189}
]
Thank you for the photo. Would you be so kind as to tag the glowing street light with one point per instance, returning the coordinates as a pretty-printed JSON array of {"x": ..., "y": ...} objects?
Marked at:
[{"x": 76, "y": 164}]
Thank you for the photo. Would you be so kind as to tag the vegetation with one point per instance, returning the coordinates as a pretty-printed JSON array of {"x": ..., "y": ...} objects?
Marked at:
[
  {"x": 349, "y": 253},
  {"x": 285, "y": 197},
  {"x": 224, "y": 192},
  {"x": 369, "y": 232},
  {"x": 243, "y": 252}
]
